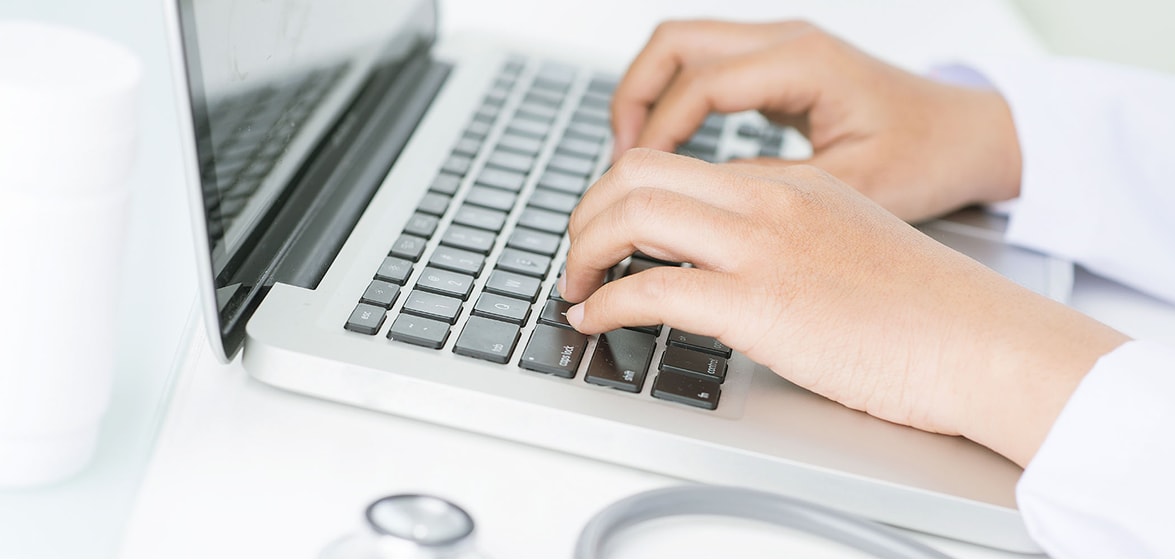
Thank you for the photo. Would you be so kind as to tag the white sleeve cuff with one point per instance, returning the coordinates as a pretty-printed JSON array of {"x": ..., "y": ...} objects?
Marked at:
[
  {"x": 1098, "y": 169},
  {"x": 1102, "y": 482}
]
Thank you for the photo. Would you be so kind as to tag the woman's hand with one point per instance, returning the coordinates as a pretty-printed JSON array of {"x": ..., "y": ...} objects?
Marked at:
[
  {"x": 803, "y": 274},
  {"x": 917, "y": 147}
]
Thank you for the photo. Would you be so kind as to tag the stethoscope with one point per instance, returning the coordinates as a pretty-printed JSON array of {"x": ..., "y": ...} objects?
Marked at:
[{"x": 424, "y": 526}]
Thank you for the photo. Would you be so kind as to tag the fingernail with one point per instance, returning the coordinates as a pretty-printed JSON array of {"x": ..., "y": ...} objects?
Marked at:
[
  {"x": 562, "y": 284},
  {"x": 575, "y": 315}
]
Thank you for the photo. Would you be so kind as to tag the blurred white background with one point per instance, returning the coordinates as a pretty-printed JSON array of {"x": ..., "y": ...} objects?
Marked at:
[{"x": 84, "y": 517}]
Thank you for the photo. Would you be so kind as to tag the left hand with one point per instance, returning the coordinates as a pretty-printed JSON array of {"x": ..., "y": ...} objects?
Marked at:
[{"x": 917, "y": 147}]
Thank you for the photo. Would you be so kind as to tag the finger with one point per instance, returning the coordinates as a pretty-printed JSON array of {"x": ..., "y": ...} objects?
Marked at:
[
  {"x": 672, "y": 46},
  {"x": 779, "y": 80},
  {"x": 648, "y": 168},
  {"x": 682, "y": 298},
  {"x": 662, "y": 224},
  {"x": 839, "y": 162}
]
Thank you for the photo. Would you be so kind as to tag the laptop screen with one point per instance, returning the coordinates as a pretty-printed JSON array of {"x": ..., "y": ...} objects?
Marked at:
[{"x": 268, "y": 81}]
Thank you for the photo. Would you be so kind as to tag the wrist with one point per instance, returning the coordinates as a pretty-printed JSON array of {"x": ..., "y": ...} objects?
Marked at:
[
  {"x": 994, "y": 163},
  {"x": 1036, "y": 356}
]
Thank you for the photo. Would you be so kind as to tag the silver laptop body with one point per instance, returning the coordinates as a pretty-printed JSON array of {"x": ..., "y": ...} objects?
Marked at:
[{"x": 315, "y": 134}]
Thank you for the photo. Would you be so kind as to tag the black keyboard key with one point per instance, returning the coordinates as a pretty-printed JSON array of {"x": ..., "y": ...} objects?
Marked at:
[
  {"x": 687, "y": 389},
  {"x": 554, "y": 201},
  {"x": 572, "y": 164},
  {"x": 700, "y": 343},
  {"x": 543, "y": 97},
  {"x": 457, "y": 260},
  {"x": 554, "y": 292},
  {"x": 478, "y": 129},
  {"x": 702, "y": 144},
  {"x": 470, "y": 239},
  {"x": 530, "y": 128},
  {"x": 419, "y": 331},
  {"x": 434, "y": 204},
  {"x": 621, "y": 360},
  {"x": 487, "y": 339},
  {"x": 594, "y": 99},
  {"x": 690, "y": 362},
  {"x": 543, "y": 220},
  {"x": 524, "y": 262},
  {"x": 433, "y": 306},
  {"x": 749, "y": 130},
  {"x": 445, "y": 283},
  {"x": 365, "y": 319},
  {"x": 494, "y": 199},
  {"x": 592, "y": 115},
  {"x": 538, "y": 112},
  {"x": 587, "y": 131},
  {"x": 380, "y": 293},
  {"x": 486, "y": 113},
  {"x": 457, "y": 164},
  {"x": 483, "y": 218},
  {"x": 514, "y": 65},
  {"x": 467, "y": 146},
  {"x": 510, "y": 161},
  {"x": 534, "y": 241},
  {"x": 513, "y": 285},
  {"x": 497, "y": 96},
  {"x": 654, "y": 330},
  {"x": 555, "y": 314},
  {"x": 501, "y": 179},
  {"x": 713, "y": 124},
  {"x": 637, "y": 265},
  {"x": 603, "y": 85},
  {"x": 445, "y": 184},
  {"x": 408, "y": 247},
  {"x": 502, "y": 308},
  {"x": 583, "y": 148},
  {"x": 520, "y": 144},
  {"x": 421, "y": 225},
  {"x": 563, "y": 182},
  {"x": 395, "y": 270},
  {"x": 711, "y": 157},
  {"x": 553, "y": 350},
  {"x": 555, "y": 86}
]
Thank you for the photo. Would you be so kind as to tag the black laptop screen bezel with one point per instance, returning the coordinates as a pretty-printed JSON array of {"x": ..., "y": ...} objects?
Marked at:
[{"x": 240, "y": 278}]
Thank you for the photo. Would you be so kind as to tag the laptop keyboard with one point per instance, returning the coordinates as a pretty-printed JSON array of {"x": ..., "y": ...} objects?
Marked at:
[{"x": 504, "y": 295}]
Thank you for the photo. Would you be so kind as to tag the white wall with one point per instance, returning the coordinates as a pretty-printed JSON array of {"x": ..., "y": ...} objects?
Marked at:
[{"x": 1136, "y": 32}]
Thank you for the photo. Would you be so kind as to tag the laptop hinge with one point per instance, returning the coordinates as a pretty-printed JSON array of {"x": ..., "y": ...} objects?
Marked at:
[{"x": 331, "y": 192}]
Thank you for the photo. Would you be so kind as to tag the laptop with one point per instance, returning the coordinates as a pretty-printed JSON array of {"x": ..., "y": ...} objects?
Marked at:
[{"x": 380, "y": 222}]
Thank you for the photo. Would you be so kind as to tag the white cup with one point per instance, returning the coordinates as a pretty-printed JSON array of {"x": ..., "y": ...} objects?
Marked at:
[{"x": 68, "y": 127}]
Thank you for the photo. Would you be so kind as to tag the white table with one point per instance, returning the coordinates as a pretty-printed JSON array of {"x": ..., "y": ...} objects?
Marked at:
[{"x": 241, "y": 469}]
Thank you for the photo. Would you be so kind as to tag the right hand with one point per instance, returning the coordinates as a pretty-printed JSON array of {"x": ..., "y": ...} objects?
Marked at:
[
  {"x": 917, "y": 147},
  {"x": 806, "y": 276}
]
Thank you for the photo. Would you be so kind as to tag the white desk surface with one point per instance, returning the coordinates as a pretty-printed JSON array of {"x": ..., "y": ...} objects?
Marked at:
[{"x": 199, "y": 460}]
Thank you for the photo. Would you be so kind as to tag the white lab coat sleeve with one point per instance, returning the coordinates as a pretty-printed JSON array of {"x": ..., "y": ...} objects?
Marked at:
[
  {"x": 1098, "y": 187},
  {"x": 1103, "y": 482},
  {"x": 1098, "y": 182}
]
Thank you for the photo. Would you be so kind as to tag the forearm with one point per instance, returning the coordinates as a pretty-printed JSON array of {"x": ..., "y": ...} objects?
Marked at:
[{"x": 1039, "y": 351}]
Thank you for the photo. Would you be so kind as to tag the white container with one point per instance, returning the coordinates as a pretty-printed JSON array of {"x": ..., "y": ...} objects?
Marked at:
[{"x": 68, "y": 127}]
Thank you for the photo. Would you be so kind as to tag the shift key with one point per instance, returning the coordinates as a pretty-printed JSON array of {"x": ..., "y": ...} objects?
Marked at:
[{"x": 554, "y": 350}]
